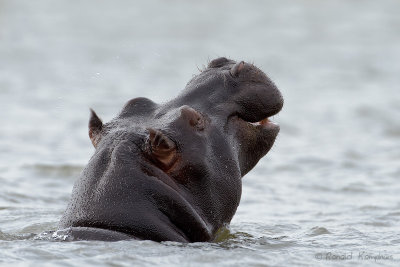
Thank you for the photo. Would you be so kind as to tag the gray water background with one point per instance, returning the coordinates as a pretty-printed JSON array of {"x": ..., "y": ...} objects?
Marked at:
[{"x": 326, "y": 194}]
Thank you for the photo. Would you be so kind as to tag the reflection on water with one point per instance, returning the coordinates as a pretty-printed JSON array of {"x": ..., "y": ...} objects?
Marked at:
[{"x": 329, "y": 185}]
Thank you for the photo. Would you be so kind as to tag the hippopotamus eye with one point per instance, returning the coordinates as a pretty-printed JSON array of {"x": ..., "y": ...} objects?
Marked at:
[
  {"x": 161, "y": 149},
  {"x": 194, "y": 118}
]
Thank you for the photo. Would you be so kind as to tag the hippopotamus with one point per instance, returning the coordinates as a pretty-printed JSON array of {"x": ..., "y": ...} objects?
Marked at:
[{"x": 172, "y": 171}]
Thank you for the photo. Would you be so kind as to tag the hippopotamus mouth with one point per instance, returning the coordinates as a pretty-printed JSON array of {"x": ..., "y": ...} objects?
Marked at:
[
  {"x": 173, "y": 171},
  {"x": 264, "y": 125}
]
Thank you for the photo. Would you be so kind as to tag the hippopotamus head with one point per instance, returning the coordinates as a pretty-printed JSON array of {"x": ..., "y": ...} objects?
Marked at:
[{"x": 173, "y": 171}]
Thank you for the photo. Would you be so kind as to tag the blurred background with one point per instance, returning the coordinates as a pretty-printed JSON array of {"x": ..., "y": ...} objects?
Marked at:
[{"x": 333, "y": 172}]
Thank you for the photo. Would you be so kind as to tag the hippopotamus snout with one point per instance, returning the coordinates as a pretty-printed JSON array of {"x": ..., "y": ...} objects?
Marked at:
[
  {"x": 256, "y": 96},
  {"x": 228, "y": 88},
  {"x": 240, "y": 98}
]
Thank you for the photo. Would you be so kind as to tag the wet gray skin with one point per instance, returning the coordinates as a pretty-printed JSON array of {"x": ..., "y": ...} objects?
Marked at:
[{"x": 173, "y": 171}]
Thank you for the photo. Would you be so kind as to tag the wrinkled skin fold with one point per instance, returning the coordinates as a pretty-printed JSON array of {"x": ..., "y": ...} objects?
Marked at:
[{"x": 173, "y": 171}]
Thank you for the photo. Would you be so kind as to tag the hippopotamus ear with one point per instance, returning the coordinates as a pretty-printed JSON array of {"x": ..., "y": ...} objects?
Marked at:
[
  {"x": 161, "y": 149},
  {"x": 237, "y": 68},
  {"x": 95, "y": 127}
]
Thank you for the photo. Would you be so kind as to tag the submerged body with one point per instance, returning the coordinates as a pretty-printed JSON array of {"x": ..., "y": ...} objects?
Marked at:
[{"x": 173, "y": 171}]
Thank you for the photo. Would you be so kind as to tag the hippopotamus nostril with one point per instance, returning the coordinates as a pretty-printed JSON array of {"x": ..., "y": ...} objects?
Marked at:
[
  {"x": 237, "y": 68},
  {"x": 219, "y": 62}
]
